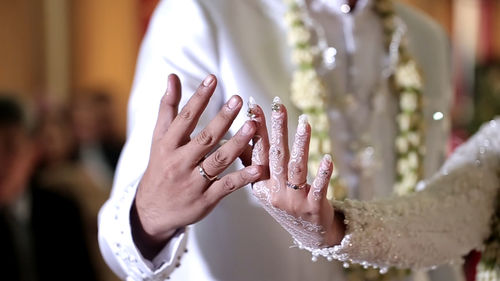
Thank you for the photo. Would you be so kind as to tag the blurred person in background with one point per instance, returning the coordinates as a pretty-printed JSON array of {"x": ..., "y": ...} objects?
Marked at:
[
  {"x": 98, "y": 143},
  {"x": 61, "y": 171},
  {"x": 41, "y": 231}
]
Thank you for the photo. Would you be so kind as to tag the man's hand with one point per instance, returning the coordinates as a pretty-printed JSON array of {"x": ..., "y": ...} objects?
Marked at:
[{"x": 180, "y": 184}]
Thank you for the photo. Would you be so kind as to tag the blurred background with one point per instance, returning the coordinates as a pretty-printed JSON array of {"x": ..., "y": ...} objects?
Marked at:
[{"x": 72, "y": 63}]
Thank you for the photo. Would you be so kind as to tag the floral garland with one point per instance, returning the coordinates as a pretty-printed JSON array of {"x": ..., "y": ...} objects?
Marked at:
[{"x": 308, "y": 93}]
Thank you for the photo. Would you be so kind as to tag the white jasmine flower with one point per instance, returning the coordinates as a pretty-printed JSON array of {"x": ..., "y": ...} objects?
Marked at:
[
  {"x": 408, "y": 101},
  {"x": 292, "y": 16},
  {"x": 402, "y": 188},
  {"x": 413, "y": 160},
  {"x": 404, "y": 122},
  {"x": 403, "y": 166},
  {"x": 402, "y": 144},
  {"x": 409, "y": 181},
  {"x": 413, "y": 139},
  {"x": 407, "y": 75},
  {"x": 307, "y": 90},
  {"x": 298, "y": 34},
  {"x": 302, "y": 56},
  {"x": 319, "y": 122}
]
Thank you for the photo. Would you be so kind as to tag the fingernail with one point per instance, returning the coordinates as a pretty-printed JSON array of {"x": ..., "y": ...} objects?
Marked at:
[
  {"x": 232, "y": 103},
  {"x": 327, "y": 158},
  {"x": 247, "y": 129},
  {"x": 275, "y": 106},
  {"x": 251, "y": 102},
  {"x": 253, "y": 170},
  {"x": 303, "y": 119},
  {"x": 210, "y": 78},
  {"x": 251, "y": 107}
]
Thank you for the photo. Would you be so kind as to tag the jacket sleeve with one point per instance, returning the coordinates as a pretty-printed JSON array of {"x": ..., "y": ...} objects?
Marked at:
[
  {"x": 180, "y": 40},
  {"x": 437, "y": 225}
]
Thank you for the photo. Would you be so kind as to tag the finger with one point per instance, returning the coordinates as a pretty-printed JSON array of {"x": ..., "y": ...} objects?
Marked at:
[
  {"x": 260, "y": 153},
  {"x": 204, "y": 141},
  {"x": 297, "y": 167},
  {"x": 320, "y": 185},
  {"x": 169, "y": 105},
  {"x": 218, "y": 161},
  {"x": 185, "y": 122},
  {"x": 231, "y": 182},
  {"x": 278, "y": 151}
]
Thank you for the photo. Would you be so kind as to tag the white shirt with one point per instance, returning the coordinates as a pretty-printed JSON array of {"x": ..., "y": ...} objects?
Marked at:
[{"x": 243, "y": 42}]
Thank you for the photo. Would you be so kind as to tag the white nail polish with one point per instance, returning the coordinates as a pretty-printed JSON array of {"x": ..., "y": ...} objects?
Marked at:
[
  {"x": 275, "y": 106},
  {"x": 251, "y": 102},
  {"x": 303, "y": 119},
  {"x": 251, "y": 106},
  {"x": 327, "y": 157},
  {"x": 301, "y": 128}
]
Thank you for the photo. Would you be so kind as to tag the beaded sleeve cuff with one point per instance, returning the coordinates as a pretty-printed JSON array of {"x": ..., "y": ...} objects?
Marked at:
[{"x": 122, "y": 248}]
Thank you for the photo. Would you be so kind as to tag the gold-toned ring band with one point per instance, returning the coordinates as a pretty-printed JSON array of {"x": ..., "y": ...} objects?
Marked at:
[
  {"x": 296, "y": 186},
  {"x": 205, "y": 175}
]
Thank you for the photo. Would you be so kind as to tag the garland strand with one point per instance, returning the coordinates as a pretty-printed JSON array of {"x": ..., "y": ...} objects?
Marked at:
[{"x": 308, "y": 93}]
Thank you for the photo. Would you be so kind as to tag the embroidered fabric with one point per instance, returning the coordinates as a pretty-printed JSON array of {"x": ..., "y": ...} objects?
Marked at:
[
  {"x": 115, "y": 223},
  {"x": 437, "y": 225}
]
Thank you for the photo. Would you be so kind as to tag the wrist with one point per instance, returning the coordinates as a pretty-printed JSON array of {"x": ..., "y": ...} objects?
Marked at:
[
  {"x": 338, "y": 230},
  {"x": 147, "y": 241}
]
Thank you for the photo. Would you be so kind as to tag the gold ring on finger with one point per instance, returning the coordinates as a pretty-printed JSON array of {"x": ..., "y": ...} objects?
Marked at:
[
  {"x": 204, "y": 174},
  {"x": 296, "y": 186}
]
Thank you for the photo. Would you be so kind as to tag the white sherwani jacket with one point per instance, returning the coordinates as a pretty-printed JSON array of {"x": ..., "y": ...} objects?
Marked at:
[{"x": 243, "y": 42}]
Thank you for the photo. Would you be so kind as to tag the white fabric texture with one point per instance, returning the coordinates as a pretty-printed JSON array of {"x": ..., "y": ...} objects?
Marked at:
[
  {"x": 243, "y": 42},
  {"x": 437, "y": 225}
]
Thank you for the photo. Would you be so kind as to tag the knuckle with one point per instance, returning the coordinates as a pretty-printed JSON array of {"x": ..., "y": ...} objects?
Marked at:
[
  {"x": 164, "y": 101},
  {"x": 186, "y": 114},
  {"x": 228, "y": 185},
  {"x": 221, "y": 159},
  {"x": 240, "y": 140},
  {"x": 204, "y": 138},
  {"x": 296, "y": 169},
  {"x": 169, "y": 171},
  {"x": 200, "y": 92},
  {"x": 292, "y": 208},
  {"x": 206, "y": 201}
]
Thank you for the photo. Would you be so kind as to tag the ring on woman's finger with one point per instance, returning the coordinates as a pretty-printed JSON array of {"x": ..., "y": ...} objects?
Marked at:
[
  {"x": 204, "y": 174},
  {"x": 296, "y": 186}
]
